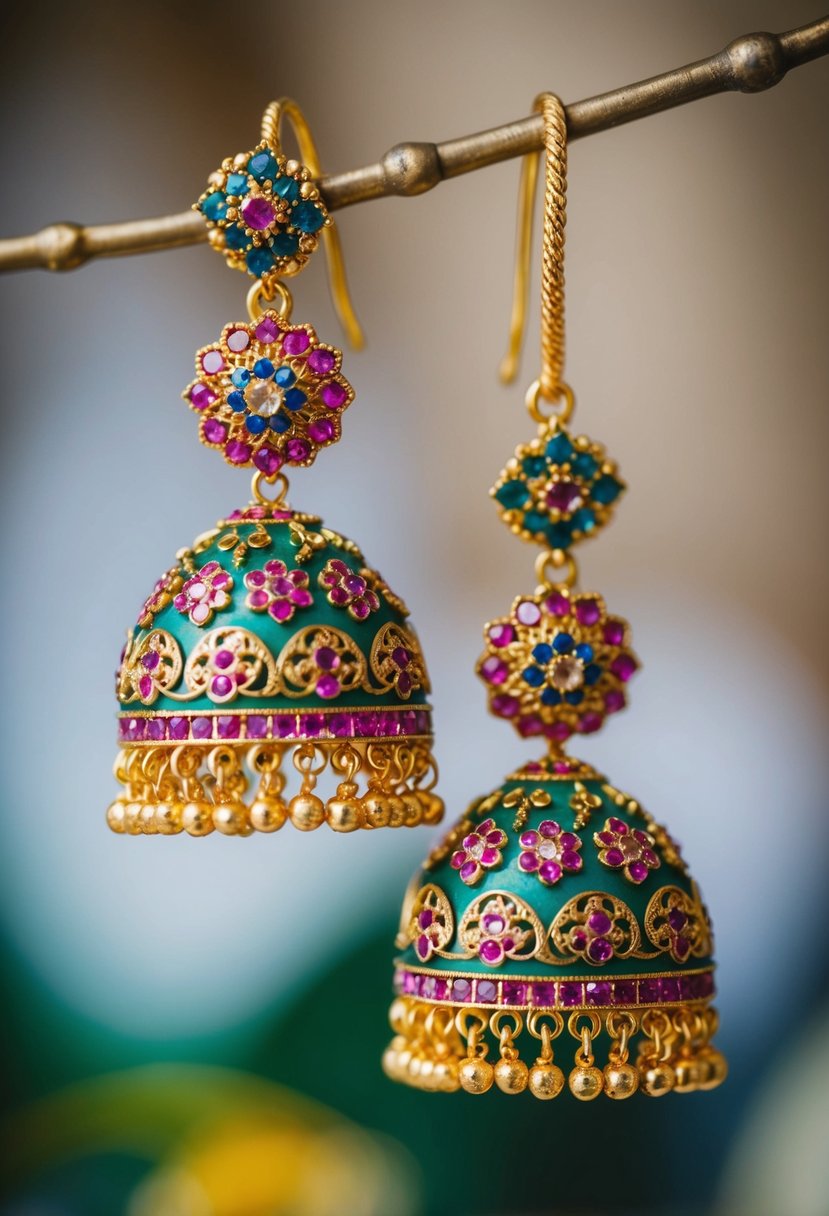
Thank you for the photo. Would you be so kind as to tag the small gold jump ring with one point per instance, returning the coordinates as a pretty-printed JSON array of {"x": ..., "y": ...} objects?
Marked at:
[
  {"x": 535, "y": 394},
  {"x": 259, "y": 298}
]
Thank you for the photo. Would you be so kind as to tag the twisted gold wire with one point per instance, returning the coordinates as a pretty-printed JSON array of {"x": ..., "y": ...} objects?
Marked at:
[{"x": 552, "y": 255}]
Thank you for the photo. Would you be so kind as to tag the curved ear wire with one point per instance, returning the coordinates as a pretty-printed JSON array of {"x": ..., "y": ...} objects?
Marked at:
[
  {"x": 288, "y": 109},
  {"x": 508, "y": 368}
]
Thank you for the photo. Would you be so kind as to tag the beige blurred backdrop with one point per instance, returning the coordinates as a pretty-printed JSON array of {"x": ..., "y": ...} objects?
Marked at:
[{"x": 697, "y": 247}]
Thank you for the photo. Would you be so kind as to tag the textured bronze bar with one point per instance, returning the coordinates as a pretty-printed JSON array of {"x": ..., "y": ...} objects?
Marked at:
[{"x": 747, "y": 65}]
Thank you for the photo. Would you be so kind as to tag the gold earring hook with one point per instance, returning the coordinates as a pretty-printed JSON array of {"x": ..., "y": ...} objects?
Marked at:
[
  {"x": 286, "y": 108},
  {"x": 552, "y": 267}
]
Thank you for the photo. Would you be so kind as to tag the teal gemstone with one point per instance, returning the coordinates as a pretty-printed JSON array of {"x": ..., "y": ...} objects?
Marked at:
[
  {"x": 262, "y": 166},
  {"x": 307, "y": 217},
  {"x": 583, "y": 520},
  {"x": 534, "y": 466},
  {"x": 286, "y": 187},
  {"x": 259, "y": 261},
  {"x": 606, "y": 489},
  {"x": 560, "y": 535},
  {"x": 237, "y": 183},
  {"x": 534, "y": 521},
  {"x": 236, "y": 237},
  {"x": 584, "y": 465},
  {"x": 284, "y": 243},
  {"x": 512, "y": 494},
  {"x": 214, "y": 206},
  {"x": 559, "y": 448}
]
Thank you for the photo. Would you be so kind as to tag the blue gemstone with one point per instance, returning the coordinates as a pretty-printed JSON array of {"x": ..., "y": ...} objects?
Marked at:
[
  {"x": 574, "y": 698},
  {"x": 295, "y": 399},
  {"x": 236, "y": 401},
  {"x": 240, "y": 376},
  {"x": 534, "y": 676},
  {"x": 263, "y": 368},
  {"x": 307, "y": 217},
  {"x": 256, "y": 424},
  {"x": 584, "y": 652},
  {"x": 237, "y": 184},
  {"x": 551, "y": 696},
  {"x": 512, "y": 494},
  {"x": 215, "y": 206},
  {"x": 559, "y": 448},
  {"x": 583, "y": 520},
  {"x": 286, "y": 187},
  {"x": 562, "y": 643},
  {"x": 560, "y": 535},
  {"x": 606, "y": 489},
  {"x": 543, "y": 652},
  {"x": 584, "y": 465},
  {"x": 262, "y": 166},
  {"x": 259, "y": 261},
  {"x": 236, "y": 237},
  {"x": 592, "y": 673},
  {"x": 284, "y": 377},
  {"x": 534, "y": 521},
  {"x": 534, "y": 466},
  {"x": 280, "y": 424},
  {"x": 284, "y": 243}
]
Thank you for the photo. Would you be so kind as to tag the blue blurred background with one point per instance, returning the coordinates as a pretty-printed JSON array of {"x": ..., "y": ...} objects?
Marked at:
[{"x": 193, "y": 1028}]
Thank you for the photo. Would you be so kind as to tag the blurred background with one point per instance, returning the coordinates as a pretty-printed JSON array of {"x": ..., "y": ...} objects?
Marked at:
[{"x": 183, "y": 1031}]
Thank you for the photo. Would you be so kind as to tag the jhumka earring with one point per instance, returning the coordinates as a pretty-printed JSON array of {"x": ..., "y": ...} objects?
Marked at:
[
  {"x": 270, "y": 639},
  {"x": 556, "y": 904}
]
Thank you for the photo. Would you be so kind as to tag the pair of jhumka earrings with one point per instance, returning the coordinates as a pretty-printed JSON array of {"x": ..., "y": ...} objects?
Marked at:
[{"x": 556, "y": 905}]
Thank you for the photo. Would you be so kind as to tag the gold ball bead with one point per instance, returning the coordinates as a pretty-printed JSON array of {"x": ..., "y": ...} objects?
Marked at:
[
  {"x": 197, "y": 818},
  {"x": 229, "y": 818},
  {"x": 268, "y": 814},
  {"x": 620, "y": 1080},
  {"x": 116, "y": 815},
  {"x": 147, "y": 819},
  {"x": 426, "y": 1073},
  {"x": 344, "y": 814},
  {"x": 511, "y": 1076},
  {"x": 397, "y": 811},
  {"x": 168, "y": 818},
  {"x": 687, "y": 1075},
  {"x": 415, "y": 1065},
  {"x": 545, "y": 1081},
  {"x": 403, "y": 1058},
  {"x": 433, "y": 808},
  {"x": 132, "y": 818},
  {"x": 414, "y": 811},
  {"x": 656, "y": 1079},
  {"x": 445, "y": 1075},
  {"x": 716, "y": 1068},
  {"x": 586, "y": 1082},
  {"x": 375, "y": 810},
  {"x": 397, "y": 1013},
  {"x": 476, "y": 1076},
  {"x": 307, "y": 812},
  {"x": 390, "y": 1062}
]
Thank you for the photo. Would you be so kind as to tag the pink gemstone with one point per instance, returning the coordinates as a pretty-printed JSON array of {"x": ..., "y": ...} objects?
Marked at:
[
  {"x": 638, "y": 871},
  {"x": 588, "y": 612},
  {"x": 201, "y": 396},
  {"x": 529, "y": 840},
  {"x": 562, "y": 766},
  {"x": 461, "y": 990},
  {"x": 614, "y": 701},
  {"x": 222, "y": 685},
  {"x": 589, "y": 723},
  {"x": 223, "y": 659},
  {"x": 237, "y": 452},
  {"x": 615, "y": 858},
  {"x": 151, "y": 660},
  {"x": 297, "y": 450},
  {"x": 557, "y": 604},
  {"x": 333, "y": 395},
  {"x": 494, "y": 670},
  {"x": 321, "y": 362},
  {"x": 178, "y": 727},
  {"x": 256, "y": 726},
  {"x": 501, "y": 635},
  {"x": 258, "y": 599},
  {"x": 258, "y": 213},
  {"x": 321, "y": 430},
  {"x": 491, "y": 952},
  {"x": 266, "y": 330},
  {"x": 469, "y": 870},
  {"x": 528, "y": 862},
  {"x": 341, "y": 726},
  {"x": 530, "y": 725},
  {"x": 267, "y": 461},
  {"x": 311, "y": 726},
  {"x": 599, "y": 922},
  {"x": 145, "y": 687},
  {"x": 623, "y": 666},
  {"x": 505, "y": 706},
  {"x": 489, "y": 857},
  {"x": 528, "y": 613},
  {"x": 199, "y": 613},
  {"x": 563, "y": 496},
  {"x": 559, "y": 731},
  {"x": 550, "y": 871},
  {"x": 600, "y": 950},
  {"x": 514, "y": 993},
  {"x": 571, "y": 860},
  {"x": 423, "y": 947},
  {"x": 238, "y": 340},
  {"x": 326, "y": 658},
  {"x": 618, "y": 825},
  {"x": 571, "y": 992},
  {"x": 328, "y": 686},
  {"x": 214, "y": 431},
  {"x": 296, "y": 343},
  {"x": 544, "y": 995},
  {"x": 133, "y": 728},
  {"x": 614, "y": 632},
  {"x": 212, "y": 362},
  {"x": 404, "y": 683},
  {"x": 549, "y": 828},
  {"x": 227, "y": 726},
  {"x": 281, "y": 610},
  {"x": 598, "y": 993},
  {"x": 202, "y": 728}
]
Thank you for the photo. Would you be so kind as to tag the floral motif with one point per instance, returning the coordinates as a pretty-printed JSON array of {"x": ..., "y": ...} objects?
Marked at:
[
  {"x": 204, "y": 593},
  {"x": 396, "y": 661},
  {"x": 150, "y": 665},
  {"x": 626, "y": 849},
  {"x": 347, "y": 589},
  {"x": 557, "y": 490},
  {"x": 321, "y": 659},
  {"x": 479, "y": 851},
  {"x": 269, "y": 394},
  {"x": 492, "y": 928},
  {"x": 596, "y": 927},
  {"x": 264, "y": 213},
  {"x": 431, "y": 924},
  {"x": 678, "y": 923},
  {"x": 278, "y": 591},
  {"x": 160, "y": 596},
  {"x": 227, "y": 662},
  {"x": 665, "y": 843},
  {"x": 558, "y": 664},
  {"x": 549, "y": 852}
]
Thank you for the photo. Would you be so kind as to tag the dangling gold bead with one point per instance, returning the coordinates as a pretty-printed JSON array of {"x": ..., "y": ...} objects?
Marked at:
[
  {"x": 268, "y": 814},
  {"x": 432, "y": 806},
  {"x": 511, "y": 1076},
  {"x": 197, "y": 818},
  {"x": 687, "y": 1075},
  {"x": 426, "y": 1073},
  {"x": 397, "y": 1012},
  {"x": 168, "y": 818},
  {"x": 415, "y": 1065},
  {"x": 586, "y": 1082},
  {"x": 375, "y": 810},
  {"x": 445, "y": 1075},
  {"x": 656, "y": 1079},
  {"x": 147, "y": 819},
  {"x": 716, "y": 1068},
  {"x": 404, "y": 1055},
  {"x": 397, "y": 811},
  {"x": 620, "y": 1080},
  {"x": 476, "y": 1075},
  {"x": 229, "y": 818},
  {"x": 545, "y": 1081},
  {"x": 116, "y": 816},
  {"x": 344, "y": 814},
  {"x": 307, "y": 812},
  {"x": 132, "y": 818},
  {"x": 414, "y": 811}
]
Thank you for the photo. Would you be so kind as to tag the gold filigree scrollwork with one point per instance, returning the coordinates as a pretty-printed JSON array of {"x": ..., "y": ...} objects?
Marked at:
[
  {"x": 379, "y": 586},
  {"x": 322, "y": 659},
  {"x": 595, "y": 927},
  {"x": 431, "y": 922},
  {"x": 497, "y": 926},
  {"x": 397, "y": 662},
  {"x": 151, "y": 665},
  {"x": 226, "y": 662},
  {"x": 677, "y": 923}
]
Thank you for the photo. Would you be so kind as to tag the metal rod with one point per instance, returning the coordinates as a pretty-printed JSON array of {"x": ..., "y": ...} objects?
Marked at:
[{"x": 747, "y": 65}]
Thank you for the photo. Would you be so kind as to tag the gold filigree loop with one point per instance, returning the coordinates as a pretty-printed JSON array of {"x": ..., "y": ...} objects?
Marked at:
[
  {"x": 595, "y": 927},
  {"x": 317, "y": 655}
]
